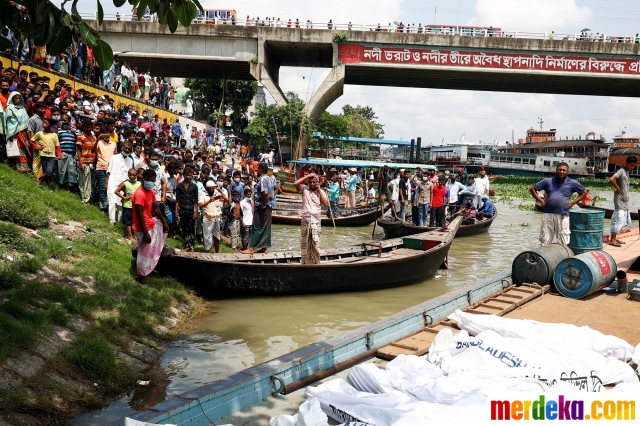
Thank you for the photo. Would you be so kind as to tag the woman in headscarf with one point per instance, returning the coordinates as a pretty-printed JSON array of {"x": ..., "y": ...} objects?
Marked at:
[{"x": 17, "y": 123}]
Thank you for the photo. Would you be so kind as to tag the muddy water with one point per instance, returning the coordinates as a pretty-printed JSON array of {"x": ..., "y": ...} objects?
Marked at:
[{"x": 242, "y": 332}]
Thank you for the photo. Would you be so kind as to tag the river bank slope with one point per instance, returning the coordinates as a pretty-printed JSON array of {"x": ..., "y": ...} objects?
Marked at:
[{"x": 76, "y": 329}]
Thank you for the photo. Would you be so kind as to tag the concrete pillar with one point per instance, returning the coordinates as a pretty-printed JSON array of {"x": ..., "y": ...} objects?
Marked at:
[
  {"x": 331, "y": 89},
  {"x": 260, "y": 73},
  {"x": 267, "y": 71}
]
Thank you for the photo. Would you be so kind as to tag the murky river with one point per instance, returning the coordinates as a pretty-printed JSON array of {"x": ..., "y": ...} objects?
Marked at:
[{"x": 242, "y": 332}]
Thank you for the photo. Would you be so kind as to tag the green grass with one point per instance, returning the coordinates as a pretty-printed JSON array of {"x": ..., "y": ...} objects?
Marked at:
[
  {"x": 118, "y": 310},
  {"x": 97, "y": 360}
]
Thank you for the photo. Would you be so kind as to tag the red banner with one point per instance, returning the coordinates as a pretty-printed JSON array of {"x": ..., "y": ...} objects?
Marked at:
[{"x": 357, "y": 53}]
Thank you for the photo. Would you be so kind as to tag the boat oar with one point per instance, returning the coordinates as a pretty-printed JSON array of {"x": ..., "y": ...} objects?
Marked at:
[
  {"x": 331, "y": 211},
  {"x": 376, "y": 219}
]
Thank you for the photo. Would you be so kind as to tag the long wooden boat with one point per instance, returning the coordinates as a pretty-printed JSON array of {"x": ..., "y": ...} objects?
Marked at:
[
  {"x": 607, "y": 212},
  {"x": 353, "y": 268},
  {"x": 396, "y": 229},
  {"x": 352, "y": 217}
]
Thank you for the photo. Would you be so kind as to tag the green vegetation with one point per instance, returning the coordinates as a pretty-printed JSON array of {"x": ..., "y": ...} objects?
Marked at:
[
  {"x": 289, "y": 125},
  {"x": 340, "y": 37},
  {"x": 286, "y": 123},
  {"x": 510, "y": 188},
  {"x": 215, "y": 97},
  {"x": 54, "y": 277}
]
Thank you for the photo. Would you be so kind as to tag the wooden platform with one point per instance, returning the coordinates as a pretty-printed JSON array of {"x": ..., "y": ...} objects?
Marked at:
[{"x": 499, "y": 304}]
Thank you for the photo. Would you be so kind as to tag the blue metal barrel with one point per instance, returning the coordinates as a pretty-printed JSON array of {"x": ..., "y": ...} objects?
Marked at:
[
  {"x": 586, "y": 230},
  {"x": 584, "y": 274},
  {"x": 539, "y": 264}
]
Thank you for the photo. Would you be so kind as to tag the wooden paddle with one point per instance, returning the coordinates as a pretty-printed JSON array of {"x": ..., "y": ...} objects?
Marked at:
[{"x": 331, "y": 211}]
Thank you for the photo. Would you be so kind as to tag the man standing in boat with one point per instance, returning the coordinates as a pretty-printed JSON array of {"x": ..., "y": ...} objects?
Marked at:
[
  {"x": 333, "y": 191},
  {"x": 313, "y": 199},
  {"x": 556, "y": 203},
  {"x": 482, "y": 188},
  {"x": 264, "y": 202},
  {"x": 621, "y": 217}
]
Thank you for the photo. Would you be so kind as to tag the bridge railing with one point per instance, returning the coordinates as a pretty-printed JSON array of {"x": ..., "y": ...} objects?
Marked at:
[{"x": 385, "y": 28}]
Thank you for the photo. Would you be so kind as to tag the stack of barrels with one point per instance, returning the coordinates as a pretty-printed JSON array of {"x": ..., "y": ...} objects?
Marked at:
[{"x": 578, "y": 270}]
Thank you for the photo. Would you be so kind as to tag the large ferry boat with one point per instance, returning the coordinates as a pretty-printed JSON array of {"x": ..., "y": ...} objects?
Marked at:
[
  {"x": 623, "y": 146},
  {"x": 541, "y": 151}
]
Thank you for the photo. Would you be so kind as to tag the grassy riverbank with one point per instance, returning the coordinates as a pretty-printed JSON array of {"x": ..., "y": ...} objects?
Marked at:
[{"x": 75, "y": 327}]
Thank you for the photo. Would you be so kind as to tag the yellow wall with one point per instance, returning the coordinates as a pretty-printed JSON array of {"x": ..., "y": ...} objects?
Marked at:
[{"x": 77, "y": 84}]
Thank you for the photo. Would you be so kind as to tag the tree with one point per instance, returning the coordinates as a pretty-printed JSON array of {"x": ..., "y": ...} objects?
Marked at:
[
  {"x": 333, "y": 125},
  {"x": 222, "y": 95},
  {"x": 56, "y": 28},
  {"x": 287, "y": 123},
  {"x": 361, "y": 122}
]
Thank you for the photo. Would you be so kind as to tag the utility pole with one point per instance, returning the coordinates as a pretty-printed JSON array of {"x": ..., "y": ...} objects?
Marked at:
[
  {"x": 435, "y": 11},
  {"x": 458, "y": 19}
]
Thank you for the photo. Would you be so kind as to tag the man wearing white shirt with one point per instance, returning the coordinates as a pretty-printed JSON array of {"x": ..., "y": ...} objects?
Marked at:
[
  {"x": 186, "y": 135},
  {"x": 119, "y": 166},
  {"x": 482, "y": 188},
  {"x": 189, "y": 110},
  {"x": 454, "y": 188}
]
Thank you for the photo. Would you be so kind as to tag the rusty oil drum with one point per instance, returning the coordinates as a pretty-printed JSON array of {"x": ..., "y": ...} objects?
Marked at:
[
  {"x": 538, "y": 265},
  {"x": 586, "y": 230},
  {"x": 584, "y": 274}
]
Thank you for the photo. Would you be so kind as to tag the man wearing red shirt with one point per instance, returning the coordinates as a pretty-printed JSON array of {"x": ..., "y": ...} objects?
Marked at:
[
  {"x": 150, "y": 241},
  {"x": 437, "y": 204},
  {"x": 146, "y": 126}
]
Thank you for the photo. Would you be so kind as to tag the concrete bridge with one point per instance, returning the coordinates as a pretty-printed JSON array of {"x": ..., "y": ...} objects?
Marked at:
[{"x": 379, "y": 59}]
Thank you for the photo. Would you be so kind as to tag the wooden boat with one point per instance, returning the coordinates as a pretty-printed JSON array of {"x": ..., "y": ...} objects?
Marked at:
[
  {"x": 352, "y": 217},
  {"x": 360, "y": 267},
  {"x": 395, "y": 228},
  {"x": 607, "y": 212}
]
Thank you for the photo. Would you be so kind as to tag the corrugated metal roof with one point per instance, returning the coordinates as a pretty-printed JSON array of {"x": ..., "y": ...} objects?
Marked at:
[
  {"x": 627, "y": 151},
  {"x": 561, "y": 144}
]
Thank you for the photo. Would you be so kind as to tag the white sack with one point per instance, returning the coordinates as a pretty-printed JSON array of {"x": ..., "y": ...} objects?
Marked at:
[
  {"x": 419, "y": 379},
  {"x": 557, "y": 334},
  {"x": 543, "y": 360}
]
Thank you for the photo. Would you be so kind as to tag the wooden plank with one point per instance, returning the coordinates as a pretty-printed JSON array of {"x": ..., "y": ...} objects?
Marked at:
[{"x": 499, "y": 304}]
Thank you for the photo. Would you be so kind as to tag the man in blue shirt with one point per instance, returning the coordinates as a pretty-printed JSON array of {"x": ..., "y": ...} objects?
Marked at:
[
  {"x": 333, "y": 190},
  {"x": 487, "y": 210},
  {"x": 350, "y": 187},
  {"x": 176, "y": 131},
  {"x": 557, "y": 202}
]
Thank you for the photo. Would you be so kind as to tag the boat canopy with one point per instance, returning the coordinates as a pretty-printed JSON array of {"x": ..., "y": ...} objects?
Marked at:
[
  {"x": 335, "y": 162},
  {"x": 362, "y": 140}
]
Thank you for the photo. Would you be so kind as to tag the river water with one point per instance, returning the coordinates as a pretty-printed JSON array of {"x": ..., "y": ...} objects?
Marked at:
[{"x": 242, "y": 332}]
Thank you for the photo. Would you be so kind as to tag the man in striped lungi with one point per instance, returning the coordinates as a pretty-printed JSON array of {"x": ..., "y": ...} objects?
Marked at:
[{"x": 313, "y": 200}]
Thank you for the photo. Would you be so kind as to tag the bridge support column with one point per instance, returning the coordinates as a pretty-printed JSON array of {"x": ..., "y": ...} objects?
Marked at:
[
  {"x": 331, "y": 89},
  {"x": 262, "y": 75}
]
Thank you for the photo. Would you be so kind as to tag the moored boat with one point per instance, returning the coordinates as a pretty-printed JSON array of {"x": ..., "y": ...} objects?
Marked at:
[
  {"x": 396, "y": 229},
  {"x": 351, "y": 217},
  {"x": 365, "y": 266}
]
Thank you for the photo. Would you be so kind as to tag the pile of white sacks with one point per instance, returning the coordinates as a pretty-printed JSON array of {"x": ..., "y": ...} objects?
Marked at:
[{"x": 491, "y": 355}]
